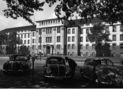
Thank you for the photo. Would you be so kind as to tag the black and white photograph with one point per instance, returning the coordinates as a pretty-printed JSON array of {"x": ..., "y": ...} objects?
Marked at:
[{"x": 61, "y": 43}]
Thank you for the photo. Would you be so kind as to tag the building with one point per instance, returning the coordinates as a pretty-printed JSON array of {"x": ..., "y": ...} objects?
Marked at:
[
  {"x": 26, "y": 34},
  {"x": 51, "y": 38}
]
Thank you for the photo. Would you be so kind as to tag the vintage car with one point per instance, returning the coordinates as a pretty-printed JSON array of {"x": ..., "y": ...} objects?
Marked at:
[
  {"x": 58, "y": 67},
  {"x": 17, "y": 64},
  {"x": 102, "y": 72}
]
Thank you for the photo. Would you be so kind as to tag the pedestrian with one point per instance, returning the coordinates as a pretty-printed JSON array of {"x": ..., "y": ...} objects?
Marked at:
[
  {"x": 33, "y": 60},
  {"x": 72, "y": 65}
]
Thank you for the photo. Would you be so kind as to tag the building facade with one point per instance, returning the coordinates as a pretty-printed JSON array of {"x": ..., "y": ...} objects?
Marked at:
[
  {"x": 26, "y": 34},
  {"x": 51, "y": 38}
]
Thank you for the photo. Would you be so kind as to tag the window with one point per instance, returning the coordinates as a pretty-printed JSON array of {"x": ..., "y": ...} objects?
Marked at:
[
  {"x": 81, "y": 39},
  {"x": 58, "y": 46},
  {"x": 68, "y": 46},
  {"x": 81, "y": 31},
  {"x": 58, "y": 38},
  {"x": 73, "y": 31},
  {"x": 33, "y": 34},
  {"x": 114, "y": 37},
  {"x": 87, "y": 30},
  {"x": 21, "y": 35},
  {"x": 39, "y": 46},
  {"x": 33, "y": 40},
  {"x": 24, "y": 35},
  {"x": 81, "y": 46},
  {"x": 68, "y": 31},
  {"x": 48, "y": 39},
  {"x": 93, "y": 46},
  {"x": 28, "y": 41},
  {"x": 87, "y": 39},
  {"x": 87, "y": 46},
  {"x": 28, "y": 35},
  {"x": 69, "y": 39},
  {"x": 40, "y": 39},
  {"x": 58, "y": 29},
  {"x": 40, "y": 31},
  {"x": 73, "y": 46},
  {"x": 121, "y": 37},
  {"x": 121, "y": 45},
  {"x": 113, "y": 45},
  {"x": 73, "y": 38},
  {"x": 24, "y": 41},
  {"x": 114, "y": 28},
  {"x": 33, "y": 46}
]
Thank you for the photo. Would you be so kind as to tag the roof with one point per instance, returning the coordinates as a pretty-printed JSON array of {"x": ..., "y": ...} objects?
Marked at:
[{"x": 23, "y": 28}]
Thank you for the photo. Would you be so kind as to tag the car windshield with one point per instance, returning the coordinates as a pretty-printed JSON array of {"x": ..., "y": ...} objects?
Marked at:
[
  {"x": 19, "y": 58},
  {"x": 55, "y": 60}
]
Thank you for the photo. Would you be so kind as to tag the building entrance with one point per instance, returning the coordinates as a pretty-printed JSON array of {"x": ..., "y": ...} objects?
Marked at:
[{"x": 47, "y": 49}]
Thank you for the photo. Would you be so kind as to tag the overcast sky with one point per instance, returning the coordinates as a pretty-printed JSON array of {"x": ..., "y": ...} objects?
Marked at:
[{"x": 47, "y": 13}]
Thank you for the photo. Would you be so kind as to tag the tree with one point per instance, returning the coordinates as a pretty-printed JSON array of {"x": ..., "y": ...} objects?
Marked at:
[
  {"x": 23, "y": 50},
  {"x": 22, "y": 8},
  {"x": 12, "y": 41},
  {"x": 107, "y": 10},
  {"x": 100, "y": 35}
]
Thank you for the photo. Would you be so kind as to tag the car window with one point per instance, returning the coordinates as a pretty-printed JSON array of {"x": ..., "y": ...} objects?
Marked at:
[
  {"x": 21, "y": 58},
  {"x": 106, "y": 62},
  {"x": 55, "y": 61}
]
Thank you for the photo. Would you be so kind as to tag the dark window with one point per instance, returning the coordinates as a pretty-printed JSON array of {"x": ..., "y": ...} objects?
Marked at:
[
  {"x": 121, "y": 45},
  {"x": 58, "y": 38},
  {"x": 68, "y": 31},
  {"x": 73, "y": 46},
  {"x": 40, "y": 39},
  {"x": 81, "y": 39},
  {"x": 68, "y": 46},
  {"x": 28, "y": 41},
  {"x": 73, "y": 38},
  {"x": 114, "y": 28},
  {"x": 48, "y": 39},
  {"x": 58, "y": 29},
  {"x": 40, "y": 31},
  {"x": 39, "y": 46},
  {"x": 87, "y": 30},
  {"x": 113, "y": 45},
  {"x": 81, "y": 46},
  {"x": 69, "y": 39},
  {"x": 24, "y": 41},
  {"x": 73, "y": 31},
  {"x": 33, "y": 34},
  {"x": 33, "y": 40},
  {"x": 121, "y": 37},
  {"x": 87, "y": 46},
  {"x": 81, "y": 31},
  {"x": 114, "y": 37},
  {"x": 93, "y": 46},
  {"x": 28, "y": 35},
  {"x": 58, "y": 46},
  {"x": 87, "y": 39},
  {"x": 24, "y": 35}
]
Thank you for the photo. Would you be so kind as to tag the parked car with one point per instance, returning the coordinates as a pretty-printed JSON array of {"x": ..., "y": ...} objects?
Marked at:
[
  {"x": 102, "y": 72},
  {"x": 17, "y": 64},
  {"x": 59, "y": 67}
]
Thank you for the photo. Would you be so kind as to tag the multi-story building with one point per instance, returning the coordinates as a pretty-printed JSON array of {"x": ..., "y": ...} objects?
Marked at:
[
  {"x": 51, "y": 38},
  {"x": 26, "y": 35}
]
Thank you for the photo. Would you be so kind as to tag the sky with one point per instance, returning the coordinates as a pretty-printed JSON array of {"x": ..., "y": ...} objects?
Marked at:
[{"x": 5, "y": 22}]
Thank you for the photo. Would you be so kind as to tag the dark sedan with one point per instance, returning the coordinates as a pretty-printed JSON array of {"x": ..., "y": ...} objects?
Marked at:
[
  {"x": 58, "y": 67},
  {"x": 17, "y": 64},
  {"x": 102, "y": 72}
]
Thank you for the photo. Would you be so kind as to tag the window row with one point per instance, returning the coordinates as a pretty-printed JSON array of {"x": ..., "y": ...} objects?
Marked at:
[
  {"x": 114, "y": 37},
  {"x": 71, "y": 38},
  {"x": 49, "y": 22},
  {"x": 24, "y": 35},
  {"x": 26, "y": 41},
  {"x": 49, "y": 30},
  {"x": 71, "y": 46},
  {"x": 69, "y": 31},
  {"x": 48, "y": 39}
]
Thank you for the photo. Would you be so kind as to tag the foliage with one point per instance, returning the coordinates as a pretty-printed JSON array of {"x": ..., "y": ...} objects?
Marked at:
[
  {"x": 23, "y": 50},
  {"x": 22, "y": 8},
  {"x": 3, "y": 39},
  {"x": 107, "y": 10}
]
